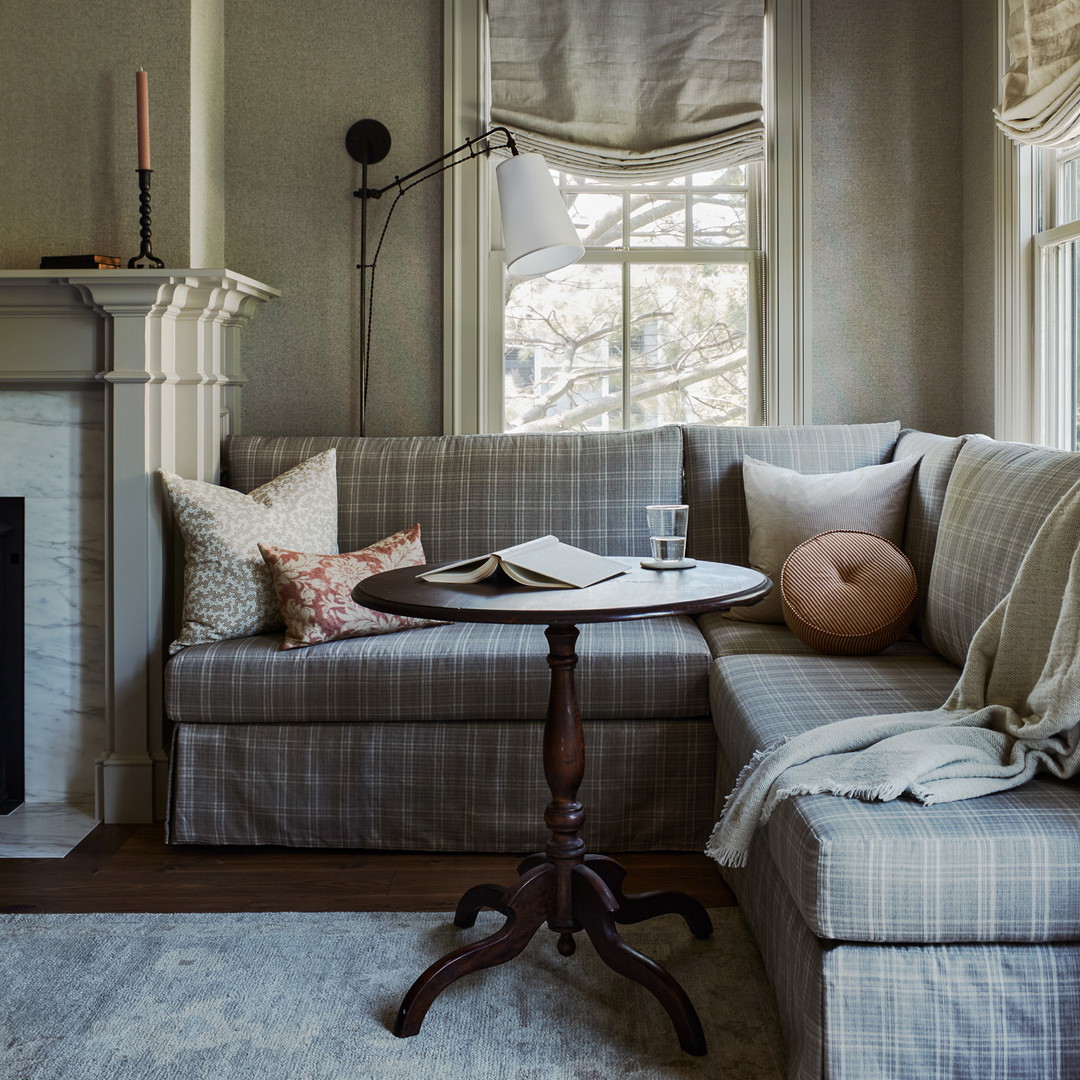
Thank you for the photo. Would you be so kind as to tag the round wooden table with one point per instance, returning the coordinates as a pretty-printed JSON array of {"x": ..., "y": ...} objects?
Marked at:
[{"x": 562, "y": 885}]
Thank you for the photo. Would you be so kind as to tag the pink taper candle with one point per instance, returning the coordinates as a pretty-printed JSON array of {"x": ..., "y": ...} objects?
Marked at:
[{"x": 143, "y": 104}]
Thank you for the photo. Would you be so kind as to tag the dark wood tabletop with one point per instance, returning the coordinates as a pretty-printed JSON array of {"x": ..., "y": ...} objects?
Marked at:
[{"x": 641, "y": 594}]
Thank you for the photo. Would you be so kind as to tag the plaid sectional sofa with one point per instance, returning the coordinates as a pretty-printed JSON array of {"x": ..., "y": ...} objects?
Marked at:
[{"x": 902, "y": 941}]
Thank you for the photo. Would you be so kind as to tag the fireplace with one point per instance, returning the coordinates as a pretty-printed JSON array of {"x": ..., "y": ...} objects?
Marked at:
[
  {"x": 12, "y": 768},
  {"x": 104, "y": 378}
]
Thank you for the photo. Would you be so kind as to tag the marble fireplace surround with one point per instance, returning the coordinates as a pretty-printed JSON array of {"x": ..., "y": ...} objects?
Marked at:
[{"x": 105, "y": 376}]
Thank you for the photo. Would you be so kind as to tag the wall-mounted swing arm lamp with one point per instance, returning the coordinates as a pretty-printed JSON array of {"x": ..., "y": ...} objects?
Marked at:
[{"x": 538, "y": 235}]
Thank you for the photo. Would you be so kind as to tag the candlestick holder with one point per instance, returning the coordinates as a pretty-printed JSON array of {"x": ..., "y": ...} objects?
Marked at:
[{"x": 146, "y": 259}]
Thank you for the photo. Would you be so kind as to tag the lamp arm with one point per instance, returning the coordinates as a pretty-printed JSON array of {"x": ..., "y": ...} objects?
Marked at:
[
  {"x": 468, "y": 144},
  {"x": 370, "y": 132}
]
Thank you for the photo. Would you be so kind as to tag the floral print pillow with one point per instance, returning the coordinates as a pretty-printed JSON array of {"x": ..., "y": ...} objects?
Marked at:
[
  {"x": 227, "y": 587},
  {"x": 315, "y": 591}
]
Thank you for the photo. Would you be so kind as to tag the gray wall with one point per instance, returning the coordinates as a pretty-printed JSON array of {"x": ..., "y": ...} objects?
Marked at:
[
  {"x": 297, "y": 76},
  {"x": 68, "y": 184},
  {"x": 886, "y": 209},
  {"x": 902, "y": 188},
  {"x": 980, "y": 139}
]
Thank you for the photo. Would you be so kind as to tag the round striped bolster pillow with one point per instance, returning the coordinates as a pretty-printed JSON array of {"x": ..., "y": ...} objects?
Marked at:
[{"x": 848, "y": 593}]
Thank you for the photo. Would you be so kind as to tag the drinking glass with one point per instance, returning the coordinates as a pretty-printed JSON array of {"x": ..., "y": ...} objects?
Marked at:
[{"x": 667, "y": 531}]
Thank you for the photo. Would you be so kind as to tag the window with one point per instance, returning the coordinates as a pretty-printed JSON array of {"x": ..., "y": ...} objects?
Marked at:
[
  {"x": 1057, "y": 277},
  {"x": 1038, "y": 223},
  {"x": 659, "y": 323},
  {"x": 651, "y": 356}
]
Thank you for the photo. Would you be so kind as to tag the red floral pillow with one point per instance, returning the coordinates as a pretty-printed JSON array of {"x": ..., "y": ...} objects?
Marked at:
[{"x": 315, "y": 591}]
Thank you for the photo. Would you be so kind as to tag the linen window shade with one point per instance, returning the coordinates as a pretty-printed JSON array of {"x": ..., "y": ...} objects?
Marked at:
[
  {"x": 1041, "y": 90},
  {"x": 642, "y": 89}
]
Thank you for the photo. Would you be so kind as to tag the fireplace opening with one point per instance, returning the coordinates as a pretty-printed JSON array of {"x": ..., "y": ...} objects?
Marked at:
[{"x": 12, "y": 641}]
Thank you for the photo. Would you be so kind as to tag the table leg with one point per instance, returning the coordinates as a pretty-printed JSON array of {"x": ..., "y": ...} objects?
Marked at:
[
  {"x": 637, "y": 907},
  {"x": 527, "y": 903},
  {"x": 597, "y": 908},
  {"x": 564, "y": 886}
]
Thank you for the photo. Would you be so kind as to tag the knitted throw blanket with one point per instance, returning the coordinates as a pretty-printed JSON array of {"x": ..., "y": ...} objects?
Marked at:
[{"x": 1015, "y": 711}]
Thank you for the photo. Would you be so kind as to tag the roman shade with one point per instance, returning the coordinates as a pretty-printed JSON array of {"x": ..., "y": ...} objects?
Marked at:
[
  {"x": 641, "y": 89},
  {"x": 1041, "y": 90}
]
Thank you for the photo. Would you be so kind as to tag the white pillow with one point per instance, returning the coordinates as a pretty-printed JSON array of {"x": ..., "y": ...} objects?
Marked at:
[
  {"x": 228, "y": 590},
  {"x": 785, "y": 508}
]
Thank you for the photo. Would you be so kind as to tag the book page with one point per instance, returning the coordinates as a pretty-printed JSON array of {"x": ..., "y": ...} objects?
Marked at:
[
  {"x": 465, "y": 571},
  {"x": 564, "y": 563}
]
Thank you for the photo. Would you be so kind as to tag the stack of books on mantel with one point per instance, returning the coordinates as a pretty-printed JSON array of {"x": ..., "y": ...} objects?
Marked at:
[{"x": 79, "y": 262}]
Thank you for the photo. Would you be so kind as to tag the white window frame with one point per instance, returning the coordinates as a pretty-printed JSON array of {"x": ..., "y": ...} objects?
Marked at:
[
  {"x": 1033, "y": 397},
  {"x": 472, "y": 304}
]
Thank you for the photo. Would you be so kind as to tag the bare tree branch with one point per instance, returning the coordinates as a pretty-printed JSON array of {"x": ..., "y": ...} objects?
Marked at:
[{"x": 535, "y": 419}]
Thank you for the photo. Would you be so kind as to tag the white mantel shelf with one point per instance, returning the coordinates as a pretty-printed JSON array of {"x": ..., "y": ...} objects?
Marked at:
[{"x": 163, "y": 347}]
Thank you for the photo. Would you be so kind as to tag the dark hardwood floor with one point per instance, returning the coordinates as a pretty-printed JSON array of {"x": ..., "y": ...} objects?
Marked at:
[{"x": 120, "y": 868}]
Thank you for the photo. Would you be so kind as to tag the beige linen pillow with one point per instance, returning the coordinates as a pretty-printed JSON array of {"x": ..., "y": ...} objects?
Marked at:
[
  {"x": 228, "y": 591},
  {"x": 785, "y": 508}
]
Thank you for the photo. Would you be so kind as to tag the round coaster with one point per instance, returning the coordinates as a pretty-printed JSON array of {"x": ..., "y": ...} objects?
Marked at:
[{"x": 681, "y": 564}]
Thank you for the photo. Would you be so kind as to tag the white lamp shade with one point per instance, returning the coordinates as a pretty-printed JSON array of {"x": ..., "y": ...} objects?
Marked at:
[{"x": 537, "y": 231}]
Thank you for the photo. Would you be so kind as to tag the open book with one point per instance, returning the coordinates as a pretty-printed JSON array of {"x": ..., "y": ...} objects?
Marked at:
[{"x": 544, "y": 563}]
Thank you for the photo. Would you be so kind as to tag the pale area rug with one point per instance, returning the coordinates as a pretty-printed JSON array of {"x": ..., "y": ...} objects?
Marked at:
[{"x": 297, "y": 996}]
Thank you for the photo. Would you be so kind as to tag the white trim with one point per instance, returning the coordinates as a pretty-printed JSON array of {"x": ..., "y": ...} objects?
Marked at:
[
  {"x": 472, "y": 363},
  {"x": 787, "y": 213},
  {"x": 1017, "y": 395},
  {"x": 466, "y": 223}
]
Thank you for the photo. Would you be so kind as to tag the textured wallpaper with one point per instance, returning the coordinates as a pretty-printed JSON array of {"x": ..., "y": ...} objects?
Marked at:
[
  {"x": 297, "y": 77},
  {"x": 902, "y": 192},
  {"x": 887, "y": 213}
]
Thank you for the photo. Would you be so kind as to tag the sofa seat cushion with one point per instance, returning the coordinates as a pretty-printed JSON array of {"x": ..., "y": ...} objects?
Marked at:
[
  {"x": 1004, "y": 867},
  {"x": 463, "y": 671},
  {"x": 726, "y": 637}
]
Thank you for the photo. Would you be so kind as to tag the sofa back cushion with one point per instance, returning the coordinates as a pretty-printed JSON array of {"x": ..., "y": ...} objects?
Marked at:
[
  {"x": 474, "y": 493},
  {"x": 998, "y": 496},
  {"x": 937, "y": 454},
  {"x": 718, "y": 526}
]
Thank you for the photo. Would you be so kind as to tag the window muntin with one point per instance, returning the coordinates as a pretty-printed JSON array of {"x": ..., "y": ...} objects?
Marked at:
[{"x": 657, "y": 324}]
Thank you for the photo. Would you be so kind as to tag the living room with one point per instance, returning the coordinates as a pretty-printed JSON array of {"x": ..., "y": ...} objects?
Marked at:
[{"x": 894, "y": 284}]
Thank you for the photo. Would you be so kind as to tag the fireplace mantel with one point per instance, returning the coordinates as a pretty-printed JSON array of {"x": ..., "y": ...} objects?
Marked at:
[{"x": 159, "y": 351}]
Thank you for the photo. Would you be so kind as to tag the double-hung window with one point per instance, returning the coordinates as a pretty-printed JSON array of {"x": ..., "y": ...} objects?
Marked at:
[
  {"x": 1039, "y": 225},
  {"x": 667, "y": 316},
  {"x": 1058, "y": 297},
  {"x": 658, "y": 323}
]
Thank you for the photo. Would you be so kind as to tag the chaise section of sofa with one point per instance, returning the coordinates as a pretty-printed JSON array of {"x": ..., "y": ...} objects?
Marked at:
[{"x": 904, "y": 940}]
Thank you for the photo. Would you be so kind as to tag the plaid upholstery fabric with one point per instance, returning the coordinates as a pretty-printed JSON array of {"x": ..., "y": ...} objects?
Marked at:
[
  {"x": 998, "y": 496},
  {"x": 464, "y": 671},
  {"x": 759, "y": 700},
  {"x": 935, "y": 1012},
  {"x": 951, "y": 1012},
  {"x": 1004, "y": 867},
  {"x": 649, "y": 785},
  {"x": 938, "y": 455},
  {"x": 727, "y": 638},
  {"x": 718, "y": 525},
  {"x": 792, "y": 957},
  {"x": 474, "y": 493}
]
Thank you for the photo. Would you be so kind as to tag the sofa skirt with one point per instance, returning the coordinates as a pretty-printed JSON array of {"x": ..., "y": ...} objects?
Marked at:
[{"x": 450, "y": 786}]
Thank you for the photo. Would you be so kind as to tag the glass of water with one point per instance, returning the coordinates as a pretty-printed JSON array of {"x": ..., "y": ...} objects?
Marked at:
[{"x": 667, "y": 531}]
